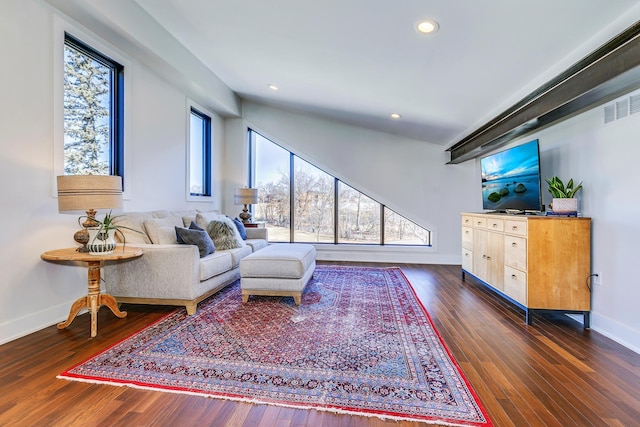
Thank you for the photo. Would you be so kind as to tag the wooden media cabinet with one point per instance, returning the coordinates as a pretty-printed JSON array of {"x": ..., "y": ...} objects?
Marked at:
[{"x": 536, "y": 262}]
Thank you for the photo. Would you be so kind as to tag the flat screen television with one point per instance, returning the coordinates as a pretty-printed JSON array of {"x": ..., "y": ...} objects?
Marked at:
[{"x": 511, "y": 179}]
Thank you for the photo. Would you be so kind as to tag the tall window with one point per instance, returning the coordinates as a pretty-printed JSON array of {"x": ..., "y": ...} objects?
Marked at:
[
  {"x": 301, "y": 203},
  {"x": 93, "y": 111},
  {"x": 313, "y": 203},
  {"x": 199, "y": 154},
  {"x": 272, "y": 172}
]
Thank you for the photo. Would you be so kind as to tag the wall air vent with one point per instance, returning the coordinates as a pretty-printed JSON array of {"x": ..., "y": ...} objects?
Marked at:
[
  {"x": 622, "y": 108},
  {"x": 609, "y": 113},
  {"x": 634, "y": 104}
]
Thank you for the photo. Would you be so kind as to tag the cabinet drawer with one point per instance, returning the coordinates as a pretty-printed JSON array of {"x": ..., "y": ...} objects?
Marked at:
[
  {"x": 495, "y": 224},
  {"x": 515, "y": 284},
  {"x": 479, "y": 222},
  {"x": 467, "y": 221},
  {"x": 515, "y": 251},
  {"x": 467, "y": 260},
  {"x": 515, "y": 227},
  {"x": 467, "y": 237}
]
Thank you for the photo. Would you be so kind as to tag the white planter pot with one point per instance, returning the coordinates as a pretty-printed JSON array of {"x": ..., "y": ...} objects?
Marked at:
[
  {"x": 100, "y": 243},
  {"x": 565, "y": 205}
]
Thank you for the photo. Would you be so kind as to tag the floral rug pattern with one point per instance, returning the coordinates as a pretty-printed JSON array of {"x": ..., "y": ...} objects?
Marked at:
[{"x": 360, "y": 343}]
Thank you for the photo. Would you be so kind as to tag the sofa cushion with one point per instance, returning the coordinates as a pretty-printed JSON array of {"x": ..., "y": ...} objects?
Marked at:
[
  {"x": 161, "y": 231},
  {"x": 204, "y": 218},
  {"x": 215, "y": 264},
  {"x": 200, "y": 238},
  {"x": 239, "y": 253},
  {"x": 224, "y": 233},
  {"x": 135, "y": 221},
  {"x": 256, "y": 244}
]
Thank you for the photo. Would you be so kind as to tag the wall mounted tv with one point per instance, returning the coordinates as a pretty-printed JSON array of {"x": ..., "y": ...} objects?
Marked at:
[{"x": 511, "y": 179}]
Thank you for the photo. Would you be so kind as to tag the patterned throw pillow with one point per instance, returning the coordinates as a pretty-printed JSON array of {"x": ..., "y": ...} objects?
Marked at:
[
  {"x": 200, "y": 238},
  {"x": 224, "y": 234}
]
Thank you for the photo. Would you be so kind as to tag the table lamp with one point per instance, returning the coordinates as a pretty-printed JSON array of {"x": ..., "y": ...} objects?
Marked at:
[
  {"x": 245, "y": 196},
  {"x": 88, "y": 193}
]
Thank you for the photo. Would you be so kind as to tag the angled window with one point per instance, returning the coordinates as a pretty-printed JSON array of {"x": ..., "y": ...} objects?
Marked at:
[
  {"x": 358, "y": 217},
  {"x": 299, "y": 202},
  {"x": 199, "y": 154},
  {"x": 93, "y": 111}
]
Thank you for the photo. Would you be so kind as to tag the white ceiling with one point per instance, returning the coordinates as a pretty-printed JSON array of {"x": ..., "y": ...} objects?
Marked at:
[{"x": 357, "y": 61}]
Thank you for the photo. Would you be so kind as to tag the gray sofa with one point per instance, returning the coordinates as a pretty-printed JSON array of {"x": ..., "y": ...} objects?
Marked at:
[{"x": 169, "y": 273}]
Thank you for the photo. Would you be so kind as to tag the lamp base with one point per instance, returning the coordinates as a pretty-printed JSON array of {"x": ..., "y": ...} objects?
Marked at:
[
  {"x": 82, "y": 236},
  {"x": 245, "y": 215}
]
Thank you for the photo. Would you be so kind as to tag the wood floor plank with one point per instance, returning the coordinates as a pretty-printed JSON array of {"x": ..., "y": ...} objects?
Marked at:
[{"x": 551, "y": 373}]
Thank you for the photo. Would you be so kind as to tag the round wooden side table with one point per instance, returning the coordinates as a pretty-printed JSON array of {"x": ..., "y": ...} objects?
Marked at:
[{"x": 94, "y": 299}]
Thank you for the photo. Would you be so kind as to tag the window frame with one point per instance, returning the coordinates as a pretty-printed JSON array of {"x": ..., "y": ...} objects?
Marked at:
[
  {"x": 116, "y": 104},
  {"x": 60, "y": 28},
  {"x": 207, "y": 153}
]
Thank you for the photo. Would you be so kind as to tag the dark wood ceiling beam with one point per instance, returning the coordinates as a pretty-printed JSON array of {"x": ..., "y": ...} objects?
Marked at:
[{"x": 610, "y": 71}]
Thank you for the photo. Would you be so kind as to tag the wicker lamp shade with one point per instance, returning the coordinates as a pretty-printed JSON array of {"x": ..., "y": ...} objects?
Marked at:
[
  {"x": 245, "y": 196},
  {"x": 83, "y": 192}
]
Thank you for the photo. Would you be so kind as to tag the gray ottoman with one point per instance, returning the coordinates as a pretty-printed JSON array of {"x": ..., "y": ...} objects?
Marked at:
[{"x": 278, "y": 270}]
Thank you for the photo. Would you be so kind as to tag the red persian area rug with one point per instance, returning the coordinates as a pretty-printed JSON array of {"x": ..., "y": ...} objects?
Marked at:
[{"x": 360, "y": 343}]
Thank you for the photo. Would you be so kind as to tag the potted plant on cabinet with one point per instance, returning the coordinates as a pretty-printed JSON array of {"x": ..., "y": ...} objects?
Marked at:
[{"x": 564, "y": 200}]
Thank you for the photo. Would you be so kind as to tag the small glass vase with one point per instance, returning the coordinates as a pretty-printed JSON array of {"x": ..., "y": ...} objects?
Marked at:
[{"x": 100, "y": 243}]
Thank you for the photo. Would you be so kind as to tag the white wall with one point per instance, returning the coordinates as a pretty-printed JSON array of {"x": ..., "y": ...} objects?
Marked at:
[
  {"x": 35, "y": 293},
  {"x": 605, "y": 157},
  {"x": 407, "y": 175}
]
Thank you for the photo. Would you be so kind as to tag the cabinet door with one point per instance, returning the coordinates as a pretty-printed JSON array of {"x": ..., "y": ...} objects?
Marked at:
[
  {"x": 488, "y": 257},
  {"x": 495, "y": 258},
  {"x": 480, "y": 264}
]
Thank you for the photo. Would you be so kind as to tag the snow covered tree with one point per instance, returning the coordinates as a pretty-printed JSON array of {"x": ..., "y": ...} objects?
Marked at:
[{"x": 87, "y": 86}]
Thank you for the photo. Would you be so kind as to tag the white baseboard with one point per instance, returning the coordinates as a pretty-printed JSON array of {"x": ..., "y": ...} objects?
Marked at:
[
  {"x": 387, "y": 254},
  {"x": 33, "y": 322},
  {"x": 610, "y": 328}
]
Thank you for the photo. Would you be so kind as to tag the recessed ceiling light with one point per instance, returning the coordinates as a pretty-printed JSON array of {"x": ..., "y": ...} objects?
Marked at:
[
  {"x": 428, "y": 26},
  {"x": 272, "y": 87},
  {"x": 395, "y": 116}
]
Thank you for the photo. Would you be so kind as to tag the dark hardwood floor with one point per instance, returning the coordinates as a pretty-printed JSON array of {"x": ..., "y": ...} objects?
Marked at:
[{"x": 552, "y": 373}]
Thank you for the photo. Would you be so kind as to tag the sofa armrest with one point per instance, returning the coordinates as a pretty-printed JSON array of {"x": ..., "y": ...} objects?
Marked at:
[
  {"x": 257, "y": 233},
  {"x": 163, "y": 271}
]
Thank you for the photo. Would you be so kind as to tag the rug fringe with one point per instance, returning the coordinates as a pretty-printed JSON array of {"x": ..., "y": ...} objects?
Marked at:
[{"x": 264, "y": 402}]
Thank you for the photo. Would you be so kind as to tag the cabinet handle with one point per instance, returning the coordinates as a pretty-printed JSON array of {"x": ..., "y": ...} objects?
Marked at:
[
  {"x": 479, "y": 222},
  {"x": 514, "y": 228},
  {"x": 513, "y": 276},
  {"x": 488, "y": 257},
  {"x": 514, "y": 245},
  {"x": 494, "y": 225}
]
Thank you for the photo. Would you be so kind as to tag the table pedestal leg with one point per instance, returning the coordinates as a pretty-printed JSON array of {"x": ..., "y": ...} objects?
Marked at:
[{"x": 93, "y": 301}]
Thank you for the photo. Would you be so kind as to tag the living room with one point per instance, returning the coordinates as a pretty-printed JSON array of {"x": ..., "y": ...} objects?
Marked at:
[{"x": 36, "y": 294}]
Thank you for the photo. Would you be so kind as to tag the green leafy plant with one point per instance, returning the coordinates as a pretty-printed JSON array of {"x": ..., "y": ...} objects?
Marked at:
[
  {"x": 559, "y": 191},
  {"x": 106, "y": 225}
]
